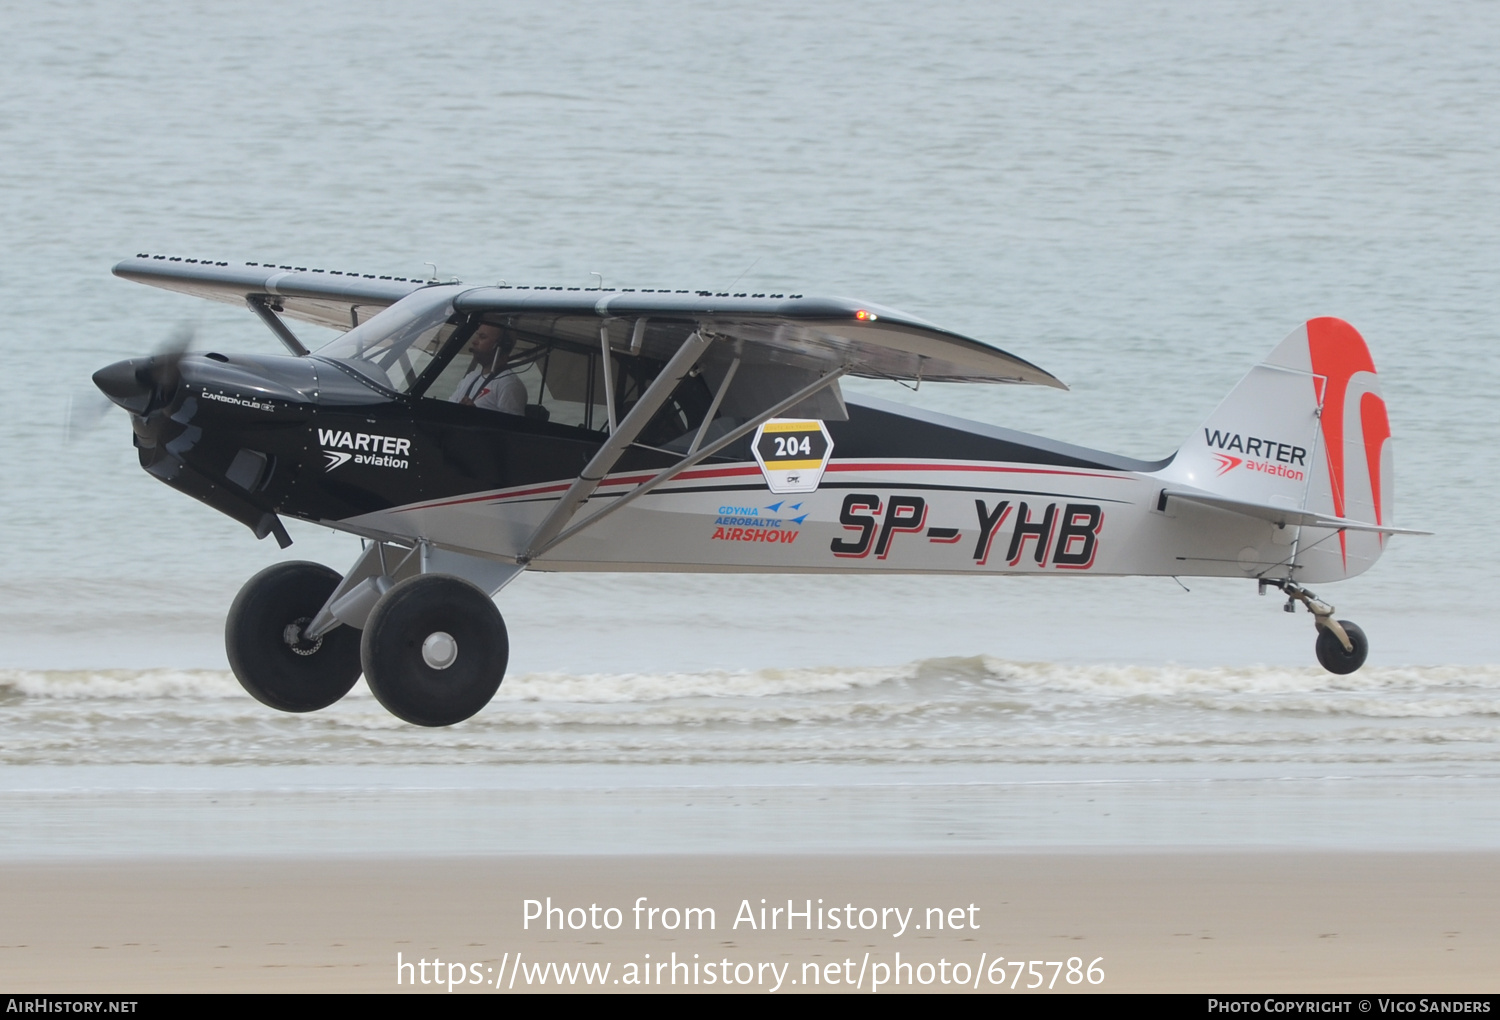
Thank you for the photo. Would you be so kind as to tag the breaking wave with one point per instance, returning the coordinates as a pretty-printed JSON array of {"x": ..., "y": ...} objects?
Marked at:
[
  {"x": 973, "y": 709},
  {"x": 1432, "y": 691}
]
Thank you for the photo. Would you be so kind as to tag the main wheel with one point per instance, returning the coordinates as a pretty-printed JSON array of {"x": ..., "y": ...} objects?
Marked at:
[
  {"x": 266, "y": 652},
  {"x": 1331, "y": 650},
  {"x": 434, "y": 650}
]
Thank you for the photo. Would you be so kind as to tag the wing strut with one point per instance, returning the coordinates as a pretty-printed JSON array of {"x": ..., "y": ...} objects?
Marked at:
[
  {"x": 539, "y": 548},
  {"x": 609, "y": 376},
  {"x": 260, "y": 304},
  {"x": 619, "y": 440}
]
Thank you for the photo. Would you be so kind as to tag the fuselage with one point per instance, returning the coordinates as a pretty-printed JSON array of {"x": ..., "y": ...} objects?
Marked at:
[{"x": 903, "y": 490}]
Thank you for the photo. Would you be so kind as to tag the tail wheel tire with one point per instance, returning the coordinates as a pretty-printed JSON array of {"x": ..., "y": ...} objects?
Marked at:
[
  {"x": 1331, "y": 650},
  {"x": 434, "y": 650},
  {"x": 262, "y": 638}
]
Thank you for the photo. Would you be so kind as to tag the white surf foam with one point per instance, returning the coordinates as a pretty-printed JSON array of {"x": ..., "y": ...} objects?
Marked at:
[{"x": 1429, "y": 691}]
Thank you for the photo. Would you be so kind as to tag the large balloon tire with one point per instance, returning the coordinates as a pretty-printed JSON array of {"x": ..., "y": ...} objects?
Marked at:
[
  {"x": 410, "y": 617},
  {"x": 291, "y": 678},
  {"x": 1331, "y": 652}
]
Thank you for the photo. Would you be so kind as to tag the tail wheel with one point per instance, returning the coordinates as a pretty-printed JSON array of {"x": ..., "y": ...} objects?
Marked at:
[
  {"x": 269, "y": 656},
  {"x": 1331, "y": 651},
  {"x": 434, "y": 650}
]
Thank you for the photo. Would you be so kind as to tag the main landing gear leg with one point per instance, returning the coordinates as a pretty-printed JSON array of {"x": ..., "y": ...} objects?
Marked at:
[{"x": 1342, "y": 646}]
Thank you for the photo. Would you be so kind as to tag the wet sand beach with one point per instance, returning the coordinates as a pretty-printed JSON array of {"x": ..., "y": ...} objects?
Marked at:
[{"x": 1204, "y": 921}]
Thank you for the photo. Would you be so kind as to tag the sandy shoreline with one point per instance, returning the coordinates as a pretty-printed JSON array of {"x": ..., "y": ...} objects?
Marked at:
[{"x": 1262, "y": 921}]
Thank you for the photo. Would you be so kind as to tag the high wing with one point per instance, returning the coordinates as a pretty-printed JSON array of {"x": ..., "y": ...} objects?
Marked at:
[
  {"x": 809, "y": 333},
  {"x": 329, "y": 297}
]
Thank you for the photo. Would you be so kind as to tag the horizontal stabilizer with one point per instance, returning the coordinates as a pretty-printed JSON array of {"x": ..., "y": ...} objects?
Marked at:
[{"x": 1280, "y": 516}]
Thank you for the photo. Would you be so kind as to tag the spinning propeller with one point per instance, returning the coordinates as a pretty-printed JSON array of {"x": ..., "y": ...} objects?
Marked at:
[
  {"x": 143, "y": 385},
  {"x": 139, "y": 385}
]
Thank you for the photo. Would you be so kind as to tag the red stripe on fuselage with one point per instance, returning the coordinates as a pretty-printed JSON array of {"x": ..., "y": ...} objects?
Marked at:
[
  {"x": 732, "y": 472},
  {"x": 929, "y": 466},
  {"x": 560, "y": 487}
]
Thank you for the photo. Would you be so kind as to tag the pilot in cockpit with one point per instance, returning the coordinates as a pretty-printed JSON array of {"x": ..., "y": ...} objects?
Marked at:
[{"x": 489, "y": 384}]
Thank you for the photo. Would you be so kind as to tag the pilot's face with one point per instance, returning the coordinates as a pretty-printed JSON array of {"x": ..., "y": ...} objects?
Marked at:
[{"x": 484, "y": 341}]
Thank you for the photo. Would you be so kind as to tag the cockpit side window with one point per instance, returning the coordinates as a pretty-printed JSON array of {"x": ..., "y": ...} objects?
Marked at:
[{"x": 497, "y": 367}]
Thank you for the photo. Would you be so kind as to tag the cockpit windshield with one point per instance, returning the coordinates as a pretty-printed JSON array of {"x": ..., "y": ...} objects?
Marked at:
[{"x": 396, "y": 346}]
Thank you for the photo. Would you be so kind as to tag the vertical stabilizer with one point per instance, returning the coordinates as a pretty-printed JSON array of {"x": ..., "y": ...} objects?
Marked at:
[{"x": 1305, "y": 429}]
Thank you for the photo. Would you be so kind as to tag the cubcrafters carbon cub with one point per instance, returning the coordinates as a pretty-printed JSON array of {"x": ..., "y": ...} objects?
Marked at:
[{"x": 470, "y": 433}]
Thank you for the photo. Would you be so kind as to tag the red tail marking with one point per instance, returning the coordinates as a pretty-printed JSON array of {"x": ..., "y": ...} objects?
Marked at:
[
  {"x": 1338, "y": 352},
  {"x": 1227, "y": 463},
  {"x": 1377, "y": 429}
]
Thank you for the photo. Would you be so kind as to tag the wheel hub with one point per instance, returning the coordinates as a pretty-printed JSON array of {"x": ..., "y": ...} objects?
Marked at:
[
  {"x": 439, "y": 651},
  {"x": 297, "y": 641}
]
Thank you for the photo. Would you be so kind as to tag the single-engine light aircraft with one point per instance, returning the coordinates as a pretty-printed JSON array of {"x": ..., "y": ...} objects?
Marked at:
[{"x": 467, "y": 434}]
